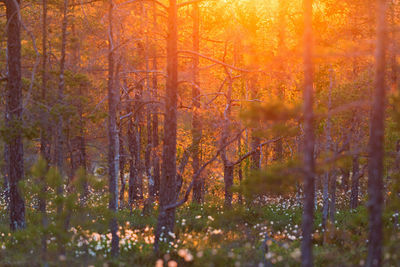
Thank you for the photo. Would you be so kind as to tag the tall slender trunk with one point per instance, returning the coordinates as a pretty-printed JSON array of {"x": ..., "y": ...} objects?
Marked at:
[
  {"x": 196, "y": 121},
  {"x": 325, "y": 198},
  {"x": 376, "y": 149},
  {"x": 329, "y": 180},
  {"x": 166, "y": 219},
  {"x": 308, "y": 156},
  {"x": 228, "y": 180},
  {"x": 113, "y": 151},
  {"x": 44, "y": 134},
  {"x": 355, "y": 183},
  {"x": 228, "y": 167},
  {"x": 240, "y": 170},
  {"x": 332, "y": 197},
  {"x": 255, "y": 140},
  {"x": 59, "y": 144},
  {"x": 14, "y": 105},
  {"x": 155, "y": 156},
  {"x": 122, "y": 161}
]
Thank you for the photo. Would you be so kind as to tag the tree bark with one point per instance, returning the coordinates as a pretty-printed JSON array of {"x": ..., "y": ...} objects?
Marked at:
[
  {"x": 196, "y": 121},
  {"x": 59, "y": 143},
  {"x": 14, "y": 104},
  {"x": 228, "y": 180},
  {"x": 376, "y": 148},
  {"x": 113, "y": 151},
  {"x": 308, "y": 149},
  {"x": 355, "y": 183},
  {"x": 166, "y": 219}
]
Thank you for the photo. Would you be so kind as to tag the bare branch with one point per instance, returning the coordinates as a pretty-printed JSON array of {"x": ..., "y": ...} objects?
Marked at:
[
  {"x": 217, "y": 61},
  {"x": 197, "y": 175},
  {"x": 248, "y": 154}
]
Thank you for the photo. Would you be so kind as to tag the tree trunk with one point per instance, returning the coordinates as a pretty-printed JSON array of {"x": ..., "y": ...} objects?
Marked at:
[
  {"x": 155, "y": 156},
  {"x": 376, "y": 149},
  {"x": 122, "y": 161},
  {"x": 196, "y": 121},
  {"x": 240, "y": 171},
  {"x": 166, "y": 219},
  {"x": 332, "y": 197},
  {"x": 308, "y": 156},
  {"x": 355, "y": 183},
  {"x": 228, "y": 180},
  {"x": 113, "y": 151},
  {"x": 325, "y": 199},
  {"x": 59, "y": 144},
  {"x": 14, "y": 104},
  {"x": 44, "y": 134}
]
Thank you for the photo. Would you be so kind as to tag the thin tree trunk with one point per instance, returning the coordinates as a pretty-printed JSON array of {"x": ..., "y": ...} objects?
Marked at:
[
  {"x": 156, "y": 160},
  {"x": 332, "y": 197},
  {"x": 325, "y": 199},
  {"x": 122, "y": 161},
  {"x": 14, "y": 105},
  {"x": 166, "y": 219},
  {"x": 255, "y": 140},
  {"x": 113, "y": 153},
  {"x": 240, "y": 171},
  {"x": 228, "y": 180},
  {"x": 355, "y": 183},
  {"x": 308, "y": 157},
  {"x": 196, "y": 121},
  {"x": 376, "y": 149},
  {"x": 44, "y": 134},
  {"x": 59, "y": 145}
]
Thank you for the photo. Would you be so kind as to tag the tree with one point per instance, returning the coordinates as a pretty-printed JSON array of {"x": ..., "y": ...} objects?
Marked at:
[
  {"x": 166, "y": 219},
  {"x": 14, "y": 119},
  {"x": 308, "y": 148},
  {"x": 113, "y": 146},
  {"x": 196, "y": 122},
  {"x": 376, "y": 149}
]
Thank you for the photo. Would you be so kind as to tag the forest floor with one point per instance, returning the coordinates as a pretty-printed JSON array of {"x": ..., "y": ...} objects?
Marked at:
[{"x": 206, "y": 235}]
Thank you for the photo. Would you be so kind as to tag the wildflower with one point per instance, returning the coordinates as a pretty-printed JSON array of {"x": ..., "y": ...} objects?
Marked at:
[
  {"x": 296, "y": 253},
  {"x": 159, "y": 263},
  {"x": 171, "y": 234},
  {"x": 172, "y": 264}
]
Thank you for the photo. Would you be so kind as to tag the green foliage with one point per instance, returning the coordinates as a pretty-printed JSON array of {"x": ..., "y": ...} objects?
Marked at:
[{"x": 279, "y": 178}]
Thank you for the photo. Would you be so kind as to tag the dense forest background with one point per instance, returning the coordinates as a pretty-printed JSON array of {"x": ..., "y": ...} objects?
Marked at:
[{"x": 199, "y": 133}]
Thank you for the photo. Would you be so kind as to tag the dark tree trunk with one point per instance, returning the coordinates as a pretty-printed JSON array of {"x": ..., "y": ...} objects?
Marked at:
[
  {"x": 122, "y": 161},
  {"x": 166, "y": 219},
  {"x": 196, "y": 122},
  {"x": 308, "y": 156},
  {"x": 59, "y": 144},
  {"x": 240, "y": 171},
  {"x": 14, "y": 105},
  {"x": 345, "y": 180},
  {"x": 376, "y": 149},
  {"x": 255, "y": 140},
  {"x": 155, "y": 156},
  {"x": 113, "y": 153},
  {"x": 228, "y": 180},
  {"x": 44, "y": 134},
  {"x": 355, "y": 183},
  {"x": 325, "y": 198},
  {"x": 332, "y": 197}
]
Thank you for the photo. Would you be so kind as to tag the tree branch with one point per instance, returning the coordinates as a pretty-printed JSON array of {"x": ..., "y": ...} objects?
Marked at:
[
  {"x": 197, "y": 175},
  {"x": 248, "y": 154},
  {"x": 217, "y": 61}
]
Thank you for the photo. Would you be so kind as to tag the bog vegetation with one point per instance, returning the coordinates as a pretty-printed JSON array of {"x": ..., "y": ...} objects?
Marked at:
[{"x": 199, "y": 133}]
